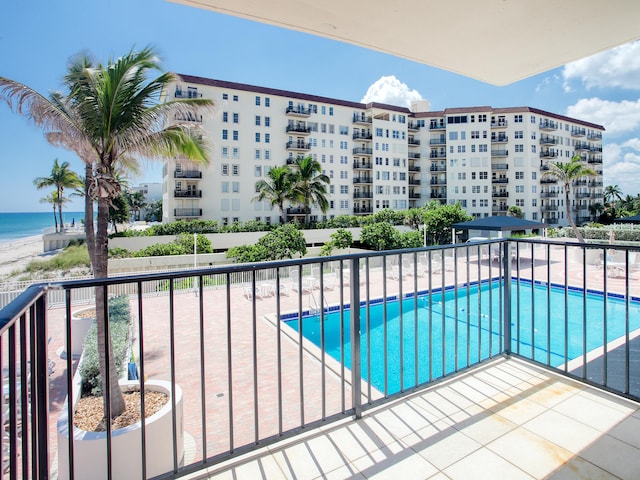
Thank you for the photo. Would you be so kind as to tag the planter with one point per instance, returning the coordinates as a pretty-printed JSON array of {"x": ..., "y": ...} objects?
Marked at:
[
  {"x": 90, "y": 448},
  {"x": 81, "y": 322}
]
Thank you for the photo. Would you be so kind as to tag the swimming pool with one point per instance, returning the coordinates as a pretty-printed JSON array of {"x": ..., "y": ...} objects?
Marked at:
[{"x": 465, "y": 326}]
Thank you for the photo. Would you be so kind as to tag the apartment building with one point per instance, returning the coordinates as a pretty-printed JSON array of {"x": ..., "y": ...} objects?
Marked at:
[{"x": 378, "y": 156}]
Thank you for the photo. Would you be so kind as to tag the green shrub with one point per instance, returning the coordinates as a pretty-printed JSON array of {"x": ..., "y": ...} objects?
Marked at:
[
  {"x": 119, "y": 319},
  {"x": 70, "y": 257}
]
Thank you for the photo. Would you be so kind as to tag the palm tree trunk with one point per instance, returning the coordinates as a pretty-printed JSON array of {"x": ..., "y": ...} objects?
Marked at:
[
  {"x": 88, "y": 214},
  {"x": 570, "y": 217},
  {"x": 101, "y": 270},
  {"x": 55, "y": 218},
  {"x": 60, "y": 209}
]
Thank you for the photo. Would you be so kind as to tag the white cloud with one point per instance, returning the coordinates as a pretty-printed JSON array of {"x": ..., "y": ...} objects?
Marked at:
[
  {"x": 615, "y": 68},
  {"x": 616, "y": 117},
  {"x": 391, "y": 91},
  {"x": 622, "y": 165}
]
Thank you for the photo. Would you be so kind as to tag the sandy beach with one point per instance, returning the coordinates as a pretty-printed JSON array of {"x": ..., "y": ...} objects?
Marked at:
[{"x": 16, "y": 254}]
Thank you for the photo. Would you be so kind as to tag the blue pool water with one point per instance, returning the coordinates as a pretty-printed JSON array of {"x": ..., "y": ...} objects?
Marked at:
[{"x": 474, "y": 317}]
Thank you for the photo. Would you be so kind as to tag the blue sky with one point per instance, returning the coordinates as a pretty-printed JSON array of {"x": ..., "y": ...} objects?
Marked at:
[{"x": 35, "y": 48}]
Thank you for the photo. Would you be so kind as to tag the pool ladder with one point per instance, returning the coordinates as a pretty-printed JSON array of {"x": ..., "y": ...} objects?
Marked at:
[{"x": 314, "y": 303}]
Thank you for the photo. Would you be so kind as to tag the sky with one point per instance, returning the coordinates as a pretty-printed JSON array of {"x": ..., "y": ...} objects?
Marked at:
[{"x": 35, "y": 49}]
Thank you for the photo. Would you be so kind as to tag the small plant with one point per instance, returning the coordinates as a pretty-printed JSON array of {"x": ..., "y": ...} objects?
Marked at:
[{"x": 119, "y": 319}]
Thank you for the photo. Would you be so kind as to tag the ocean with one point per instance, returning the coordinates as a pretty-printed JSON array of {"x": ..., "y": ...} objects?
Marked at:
[{"x": 19, "y": 225}]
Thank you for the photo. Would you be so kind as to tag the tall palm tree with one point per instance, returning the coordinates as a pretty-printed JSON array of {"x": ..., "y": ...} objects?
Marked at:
[
  {"x": 309, "y": 185},
  {"x": 596, "y": 209},
  {"x": 111, "y": 113},
  {"x": 612, "y": 193},
  {"x": 52, "y": 199},
  {"x": 276, "y": 189},
  {"x": 61, "y": 177},
  {"x": 567, "y": 173}
]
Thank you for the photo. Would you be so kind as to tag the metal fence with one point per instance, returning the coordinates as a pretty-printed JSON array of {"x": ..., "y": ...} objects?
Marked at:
[{"x": 262, "y": 352}]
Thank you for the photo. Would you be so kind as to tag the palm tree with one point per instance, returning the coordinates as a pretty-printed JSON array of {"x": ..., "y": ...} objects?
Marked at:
[
  {"x": 52, "y": 198},
  {"x": 110, "y": 114},
  {"x": 309, "y": 185},
  {"x": 612, "y": 193},
  {"x": 567, "y": 173},
  {"x": 596, "y": 209},
  {"x": 277, "y": 189},
  {"x": 61, "y": 177}
]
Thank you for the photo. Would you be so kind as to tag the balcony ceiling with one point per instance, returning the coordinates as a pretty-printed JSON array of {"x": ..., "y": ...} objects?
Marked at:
[{"x": 496, "y": 41}]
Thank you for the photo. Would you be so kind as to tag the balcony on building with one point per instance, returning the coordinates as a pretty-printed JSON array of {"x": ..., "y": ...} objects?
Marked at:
[
  {"x": 544, "y": 167},
  {"x": 595, "y": 184},
  {"x": 298, "y": 129},
  {"x": 548, "y": 140},
  {"x": 414, "y": 168},
  {"x": 550, "y": 220},
  {"x": 187, "y": 193},
  {"x": 297, "y": 211},
  {"x": 549, "y": 194},
  {"x": 414, "y": 196},
  {"x": 437, "y": 168},
  {"x": 413, "y": 126},
  {"x": 188, "y": 117},
  {"x": 501, "y": 123},
  {"x": 362, "y": 151},
  {"x": 359, "y": 135},
  {"x": 363, "y": 179},
  {"x": 500, "y": 153},
  {"x": 362, "y": 165},
  {"x": 299, "y": 145},
  {"x": 549, "y": 154},
  {"x": 578, "y": 132},
  {"x": 438, "y": 181},
  {"x": 584, "y": 195},
  {"x": 193, "y": 174},
  {"x": 550, "y": 208},
  {"x": 582, "y": 147},
  {"x": 413, "y": 155},
  {"x": 580, "y": 183},
  {"x": 548, "y": 180},
  {"x": 584, "y": 219},
  {"x": 500, "y": 208},
  {"x": 190, "y": 92},
  {"x": 500, "y": 194},
  {"x": 362, "y": 119},
  {"x": 499, "y": 166},
  {"x": 413, "y": 181},
  {"x": 594, "y": 158},
  {"x": 500, "y": 180},
  {"x": 548, "y": 125},
  {"x": 594, "y": 136},
  {"x": 501, "y": 138},
  {"x": 437, "y": 125},
  {"x": 297, "y": 111},
  {"x": 362, "y": 210},
  {"x": 436, "y": 141},
  {"x": 435, "y": 154},
  {"x": 187, "y": 212},
  {"x": 413, "y": 142},
  {"x": 358, "y": 195}
]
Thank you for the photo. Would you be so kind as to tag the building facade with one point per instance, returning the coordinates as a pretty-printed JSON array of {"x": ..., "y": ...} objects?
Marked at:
[{"x": 378, "y": 156}]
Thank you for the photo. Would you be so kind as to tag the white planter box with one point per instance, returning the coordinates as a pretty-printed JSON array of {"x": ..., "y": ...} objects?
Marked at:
[
  {"x": 90, "y": 448},
  {"x": 80, "y": 326}
]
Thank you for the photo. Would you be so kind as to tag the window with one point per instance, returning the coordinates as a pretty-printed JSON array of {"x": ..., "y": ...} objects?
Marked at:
[
  {"x": 475, "y": 134},
  {"x": 462, "y": 148},
  {"x": 235, "y": 98},
  {"x": 257, "y": 101},
  {"x": 257, "y": 154},
  {"x": 267, "y": 121},
  {"x": 534, "y": 202},
  {"x": 258, "y": 171},
  {"x": 225, "y": 134},
  {"x": 236, "y": 152},
  {"x": 267, "y": 102},
  {"x": 453, "y": 135},
  {"x": 475, "y": 189},
  {"x": 235, "y": 187},
  {"x": 403, "y": 176},
  {"x": 473, "y": 203},
  {"x": 235, "y": 134},
  {"x": 267, "y": 137},
  {"x": 258, "y": 137},
  {"x": 225, "y": 96},
  {"x": 343, "y": 129},
  {"x": 343, "y": 174},
  {"x": 463, "y": 135},
  {"x": 517, "y": 119},
  {"x": 520, "y": 202},
  {"x": 462, "y": 176},
  {"x": 533, "y": 149},
  {"x": 225, "y": 117},
  {"x": 519, "y": 148},
  {"x": 518, "y": 134},
  {"x": 473, "y": 175},
  {"x": 534, "y": 175},
  {"x": 235, "y": 169},
  {"x": 257, "y": 120},
  {"x": 533, "y": 119},
  {"x": 519, "y": 188},
  {"x": 534, "y": 189},
  {"x": 484, "y": 202},
  {"x": 519, "y": 175},
  {"x": 484, "y": 175},
  {"x": 482, "y": 118},
  {"x": 267, "y": 154},
  {"x": 224, "y": 169},
  {"x": 225, "y": 187},
  {"x": 225, "y": 152},
  {"x": 344, "y": 189},
  {"x": 236, "y": 118},
  {"x": 344, "y": 204},
  {"x": 482, "y": 148},
  {"x": 450, "y": 148},
  {"x": 330, "y": 111}
]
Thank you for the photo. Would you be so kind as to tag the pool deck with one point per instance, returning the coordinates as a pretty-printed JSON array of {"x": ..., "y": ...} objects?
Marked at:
[{"x": 381, "y": 442}]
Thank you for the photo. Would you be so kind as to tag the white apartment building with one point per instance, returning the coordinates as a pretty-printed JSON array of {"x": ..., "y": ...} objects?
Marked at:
[{"x": 378, "y": 156}]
